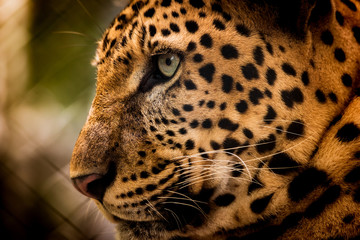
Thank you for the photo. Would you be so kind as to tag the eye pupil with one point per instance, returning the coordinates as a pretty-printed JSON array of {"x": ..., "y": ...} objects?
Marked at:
[{"x": 168, "y": 61}]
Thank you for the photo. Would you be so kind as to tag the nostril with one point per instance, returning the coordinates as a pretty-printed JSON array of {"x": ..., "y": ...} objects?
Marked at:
[
  {"x": 94, "y": 185},
  {"x": 90, "y": 185}
]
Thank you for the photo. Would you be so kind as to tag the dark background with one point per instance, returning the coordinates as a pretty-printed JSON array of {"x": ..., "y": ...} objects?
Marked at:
[{"x": 46, "y": 87}]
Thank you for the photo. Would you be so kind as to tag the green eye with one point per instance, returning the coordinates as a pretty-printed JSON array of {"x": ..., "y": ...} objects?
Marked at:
[{"x": 168, "y": 64}]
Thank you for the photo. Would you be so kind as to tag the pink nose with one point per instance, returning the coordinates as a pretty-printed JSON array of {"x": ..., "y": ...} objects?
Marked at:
[{"x": 91, "y": 185}]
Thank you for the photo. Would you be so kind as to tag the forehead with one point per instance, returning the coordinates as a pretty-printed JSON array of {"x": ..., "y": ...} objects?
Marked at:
[{"x": 160, "y": 18}]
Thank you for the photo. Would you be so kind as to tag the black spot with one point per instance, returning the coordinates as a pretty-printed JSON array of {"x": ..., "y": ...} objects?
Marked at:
[
  {"x": 243, "y": 30},
  {"x": 194, "y": 124},
  {"x": 206, "y": 41},
  {"x": 165, "y": 121},
  {"x": 174, "y": 27},
  {"x": 152, "y": 30},
  {"x": 357, "y": 155},
  {"x": 228, "y": 51},
  {"x": 191, "y": 47},
  {"x": 320, "y": 96},
  {"x": 226, "y": 16},
  {"x": 279, "y": 129},
  {"x": 210, "y": 104},
  {"x": 175, "y": 14},
  {"x": 268, "y": 93},
  {"x": 139, "y": 191},
  {"x": 155, "y": 170},
  {"x": 288, "y": 69},
  {"x": 255, "y": 184},
  {"x": 218, "y": 24},
  {"x": 224, "y": 200},
  {"x": 207, "y": 123},
  {"x": 339, "y": 55},
  {"x": 227, "y": 83},
  {"x": 305, "y": 183},
  {"x": 223, "y": 106},
  {"x": 255, "y": 95},
  {"x": 176, "y": 112},
  {"x": 270, "y": 76},
  {"x": 201, "y": 103},
  {"x": 241, "y": 106},
  {"x": 189, "y": 144},
  {"x": 353, "y": 176},
  {"x": 165, "y": 32},
  {"x": 305, "y": 78},
  {"x": 144, "y": 174},
  {"x": 346, "y": 80},
  {"x": 188, "y": 107},
  {"x": 190, "y": 85},
  {"x": 333, "y": 97},
  {"x": 269, "y": 48},
  {"x": 266, "y": 145},
  {"x": 150, "y": 187},
  {"x": 112, "y": 43},
  {"x": 339, "y": 18},
  {"x": 270, "y": 115},
  {"x": 259, "y": 205},
  {"x": 202, "y": 14},
  {"x": 319, "y": 205},
  {"x": 227, "y": 124},
  {"x": 197, "y": 3},
  {"x": 170, "y": 133},
  {"x": 327, "y": 38},
  {"x": 295, "y": 130},
  {"x": 207, "y": 72},
  {"x": 183, "y": 11},
  {"x": 250, "y": 72},
  {"x": 229, "y": 143},
  {"x": 348, "y": 132},
  {"x": 281, "y": 48},
  {"x": 350, "y": 5},
  {"x": 348, "y": 218},
  {"x": 182, "y": 131},
  {"x": 159, "y": 137},
  {"x": 356, "y": 31},
  {"x": 149, "y": 13},
  {"x": 283, "y": 164},
  {"x": 142, "y": 154},
  {"x": 198, "y": 58},
  {"x": 239, "y": 87},
  {"x": 215, "y": 145},
  {"x": 191, "y": 26},
  {"x": 258, "y": 55},
  {"x": 291, "y": 97},
  {"x": 133, "y": 177},
  {"x": 166, "y": 3},
  {"x": 237, "y": 170},
  {"x": 248, "y": 133}
]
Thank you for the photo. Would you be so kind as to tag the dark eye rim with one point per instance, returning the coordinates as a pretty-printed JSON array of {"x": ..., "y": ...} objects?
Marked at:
[{"x": 154, "y": 76}]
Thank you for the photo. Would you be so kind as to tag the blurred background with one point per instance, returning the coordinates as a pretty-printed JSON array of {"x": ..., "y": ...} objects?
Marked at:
[{"x": 46, "y": 87}]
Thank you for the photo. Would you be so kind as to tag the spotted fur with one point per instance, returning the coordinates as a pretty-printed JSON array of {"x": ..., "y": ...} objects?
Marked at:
[{"x": 256, "y": 135}]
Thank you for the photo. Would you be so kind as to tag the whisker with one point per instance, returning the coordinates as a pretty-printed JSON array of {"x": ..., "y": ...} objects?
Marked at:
[
  {"x": 91, "y": 16},
  {"x": 185, "y": 204},
  {"x": 177, "y": 219},
  {"x": 149, "y": 204}
]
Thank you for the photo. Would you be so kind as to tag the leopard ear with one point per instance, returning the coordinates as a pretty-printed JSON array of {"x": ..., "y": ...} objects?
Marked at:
[{"x": 293, "y": 16}]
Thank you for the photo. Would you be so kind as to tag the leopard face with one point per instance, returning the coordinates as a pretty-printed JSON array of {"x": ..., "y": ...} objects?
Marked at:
[{"x": 211, "y": 119}]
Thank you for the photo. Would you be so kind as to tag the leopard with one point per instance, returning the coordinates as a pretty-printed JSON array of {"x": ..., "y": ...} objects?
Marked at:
[{"x": 226, "y": 120}]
